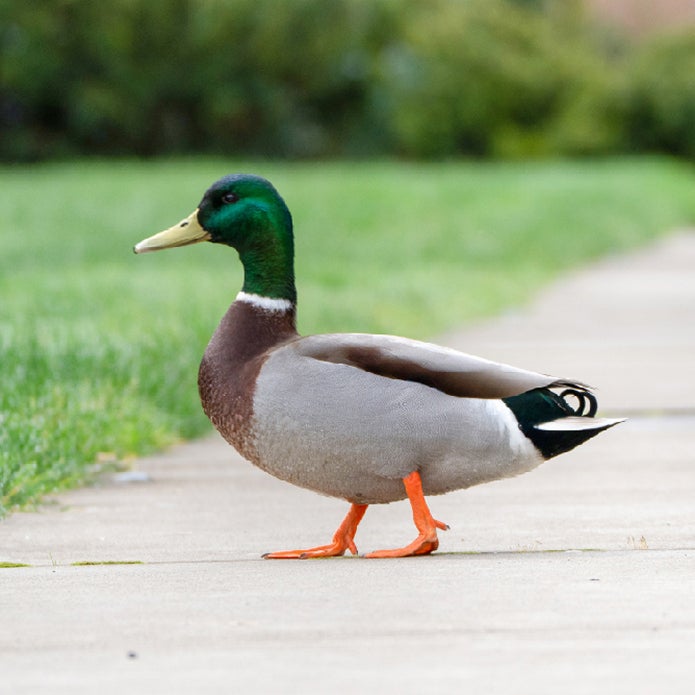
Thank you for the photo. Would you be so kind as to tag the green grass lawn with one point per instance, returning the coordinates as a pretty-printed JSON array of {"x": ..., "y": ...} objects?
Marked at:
[{"x": 99, "y": 347}]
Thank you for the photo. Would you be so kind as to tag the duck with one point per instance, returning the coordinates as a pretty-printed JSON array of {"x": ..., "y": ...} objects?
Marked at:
[{"x": 367, "y": 418}]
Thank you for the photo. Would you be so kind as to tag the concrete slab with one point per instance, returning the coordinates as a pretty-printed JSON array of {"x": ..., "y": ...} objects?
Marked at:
[{"x": 577, "y": 577}]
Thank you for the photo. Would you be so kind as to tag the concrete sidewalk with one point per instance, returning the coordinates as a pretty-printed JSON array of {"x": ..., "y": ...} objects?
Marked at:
[{"x": 578, "y": 577}]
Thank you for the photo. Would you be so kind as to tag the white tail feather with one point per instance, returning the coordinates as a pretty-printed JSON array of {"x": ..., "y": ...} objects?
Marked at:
[{"x": 578, "y": 423}]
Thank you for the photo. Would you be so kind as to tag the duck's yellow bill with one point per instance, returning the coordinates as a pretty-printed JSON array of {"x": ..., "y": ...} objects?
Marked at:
[{"x": 186, "y": 232}]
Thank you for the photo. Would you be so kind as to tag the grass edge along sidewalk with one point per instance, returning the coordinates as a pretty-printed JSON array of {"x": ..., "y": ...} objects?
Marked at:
[{"x": 100, "y": 350}]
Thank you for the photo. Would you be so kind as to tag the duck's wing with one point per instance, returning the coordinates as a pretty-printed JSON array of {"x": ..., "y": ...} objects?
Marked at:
[{"x": 452, "y": 372}]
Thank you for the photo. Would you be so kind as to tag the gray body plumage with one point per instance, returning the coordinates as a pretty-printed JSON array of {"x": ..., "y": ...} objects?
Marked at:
[{"x": 332, "y": 427}]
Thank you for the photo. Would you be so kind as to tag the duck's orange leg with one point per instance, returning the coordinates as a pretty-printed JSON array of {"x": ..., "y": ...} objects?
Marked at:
[
  {"x": 343, "y": 539},
  {"x": 427, "y": 540}
]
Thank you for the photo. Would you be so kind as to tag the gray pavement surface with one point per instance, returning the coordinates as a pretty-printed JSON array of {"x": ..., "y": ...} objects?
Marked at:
[{"x": 578, "y": 577}]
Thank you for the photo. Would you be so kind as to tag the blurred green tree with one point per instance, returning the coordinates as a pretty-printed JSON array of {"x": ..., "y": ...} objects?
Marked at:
[{"x": 312, "y": 78}]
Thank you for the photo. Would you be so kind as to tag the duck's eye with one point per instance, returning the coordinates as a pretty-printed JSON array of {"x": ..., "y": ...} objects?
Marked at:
[{"x": 230, "y": 198}]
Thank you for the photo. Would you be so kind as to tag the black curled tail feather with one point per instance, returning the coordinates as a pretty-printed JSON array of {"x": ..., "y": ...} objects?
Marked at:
[
  {"x": 587, "y": 405},
  {"x": 543, "y": 405}
]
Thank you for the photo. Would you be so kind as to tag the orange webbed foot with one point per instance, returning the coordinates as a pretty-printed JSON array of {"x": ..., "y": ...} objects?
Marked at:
[
  {"x": 343, "y": 540},
  {"x": 330, "y": 550},
  {"x": 422, "y": 545},
  {"x": 427, "y": 541}
]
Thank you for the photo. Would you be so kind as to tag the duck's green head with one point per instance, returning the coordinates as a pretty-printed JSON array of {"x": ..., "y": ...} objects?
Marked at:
[{"x": 247, "y": 213}]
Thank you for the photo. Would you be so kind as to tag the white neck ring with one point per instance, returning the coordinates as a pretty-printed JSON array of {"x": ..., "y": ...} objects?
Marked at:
[{"x": 271, "y": 304}]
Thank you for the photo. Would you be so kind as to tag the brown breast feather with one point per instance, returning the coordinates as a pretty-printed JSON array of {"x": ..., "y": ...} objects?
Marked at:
[{"x": 230, "y": 367}]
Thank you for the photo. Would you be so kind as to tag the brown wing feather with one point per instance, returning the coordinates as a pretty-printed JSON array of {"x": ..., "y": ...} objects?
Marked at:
[{"x": 452, "y": 372}]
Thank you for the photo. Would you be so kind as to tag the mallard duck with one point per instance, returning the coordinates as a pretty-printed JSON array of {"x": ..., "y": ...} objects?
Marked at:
[{"x": 367, "y": 418}]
